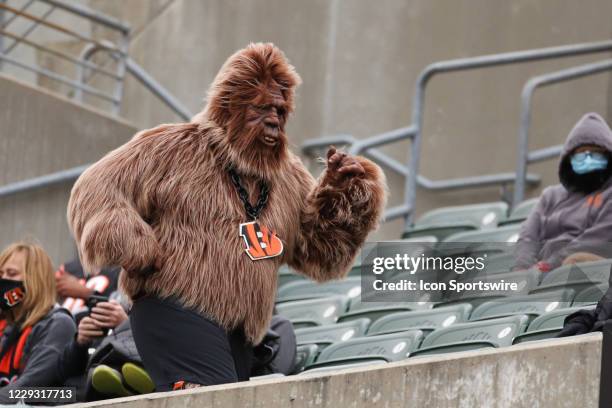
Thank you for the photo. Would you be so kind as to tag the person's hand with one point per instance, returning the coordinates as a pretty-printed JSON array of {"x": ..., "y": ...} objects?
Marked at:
[
  {"x": 108, "y": 314},
  {"x": 68, "y": 285},
  {"x": 87, "y": 331},
  {"x": 341, "y": 166}
]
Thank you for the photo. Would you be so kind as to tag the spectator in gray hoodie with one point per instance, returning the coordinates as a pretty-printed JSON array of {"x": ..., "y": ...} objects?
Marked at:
[{"x": 572, "y": 221}]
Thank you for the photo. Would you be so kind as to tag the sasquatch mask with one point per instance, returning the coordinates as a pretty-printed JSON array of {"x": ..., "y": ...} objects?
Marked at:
[
  {"x": 250, "y": 100},
  {"x": 583, "y": 183}
]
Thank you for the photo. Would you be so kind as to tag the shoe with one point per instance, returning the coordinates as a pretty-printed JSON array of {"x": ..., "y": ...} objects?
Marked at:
[
  {"x": 137, "y": 378},
  {"x": 108, "y": 381}
]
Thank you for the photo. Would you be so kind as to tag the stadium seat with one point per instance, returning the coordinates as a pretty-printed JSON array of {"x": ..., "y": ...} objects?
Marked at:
[
  {"x": 334, "y": 367},
  {"x": 308, "y": 289},
  {"x": 286, "y": 275},
  {"x": 526, "y": 280},
  {"x": 473, "y": 335},
  {"x": 577, "y": 276},
  {"x": 323, "y": 336},
  {"x": 305, "y": 356},
  {"x": 313, "y": 312},
  {"x": 521, "y": 212},
  {"x": 375, "y": 311},
  {"x": 548, "y": 325},
  {"x": 532, "y": 305},
  {"x": 386, "y": 347},
  {"x": 590, "y": 295},
  {"x": 424, "y": 320},
  {"x": 490, "y": 241},
  {"x": 446, "y": 221}
]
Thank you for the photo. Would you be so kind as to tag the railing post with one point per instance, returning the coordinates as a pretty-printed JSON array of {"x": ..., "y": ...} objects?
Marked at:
[
  {"x": 121, "y": 70},
  {"x": 2, "y": 18},
  {"x": 605, "y": 376},
  {"x": 523, "y": 148}
]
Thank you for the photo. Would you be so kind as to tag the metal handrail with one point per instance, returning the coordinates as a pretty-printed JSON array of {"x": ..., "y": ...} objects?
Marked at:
[
  {"x": 524, "y": 156},
  {"x": 119, "y": 49},
  {"x": 462, "y": 64}
]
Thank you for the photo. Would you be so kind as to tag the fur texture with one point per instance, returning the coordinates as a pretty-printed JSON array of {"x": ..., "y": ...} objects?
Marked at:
[{"x": 164, "y": 199}]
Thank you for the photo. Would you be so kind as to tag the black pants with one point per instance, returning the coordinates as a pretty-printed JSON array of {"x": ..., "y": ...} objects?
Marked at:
[{"x": 177, "y": 344}]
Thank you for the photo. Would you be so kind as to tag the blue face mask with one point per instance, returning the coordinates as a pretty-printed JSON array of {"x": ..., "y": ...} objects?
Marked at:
[{"x": 586, "y": 162}]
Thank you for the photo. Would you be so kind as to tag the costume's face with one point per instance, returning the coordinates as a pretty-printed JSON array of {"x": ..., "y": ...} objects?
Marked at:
[{"x": 266, "y": 116}]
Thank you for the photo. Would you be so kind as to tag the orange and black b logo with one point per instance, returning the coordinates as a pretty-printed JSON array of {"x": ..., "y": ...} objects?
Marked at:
[{"x": 260, "y": 242}]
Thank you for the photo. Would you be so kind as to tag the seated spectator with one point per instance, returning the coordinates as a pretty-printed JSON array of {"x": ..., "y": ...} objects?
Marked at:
[
  {"x": 572, "y": 222},
  {"x": 98, "y": 376},
  {"x": 37, "y": 329},
  {"x": 74, "y": 286}
]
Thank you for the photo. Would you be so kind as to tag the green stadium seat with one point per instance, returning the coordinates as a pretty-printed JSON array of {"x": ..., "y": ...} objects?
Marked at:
[
  {"x": 313, "y": 312},
  {"x": 287, "y": 275},
  {"x": 308, "y": 289},
  {"x": 490, "y": 241},
  {"x": 305, "y": 355},
  {"x": 577, "y": 276},
  {"x": 473, "y": 335},
  {"x": 446, "y": 221},
  {"x": 590, "y": 295},
  {"x": 548, "y": 325},
  {"x": 323, "y": 336},
  {"x": 424, "y": 320},
  {"x": 521, "y": 212},
  {"x": 375, "y": 311},
  {"x": 526, "y": 280},
  {"x": 531, "y": 305},
  {"x": 340, "y": 365},
  {"x": 386, "y": 347}
]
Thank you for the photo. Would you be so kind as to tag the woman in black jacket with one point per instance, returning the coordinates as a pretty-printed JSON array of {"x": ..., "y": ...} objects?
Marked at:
[{"x": 36, "y": 329}]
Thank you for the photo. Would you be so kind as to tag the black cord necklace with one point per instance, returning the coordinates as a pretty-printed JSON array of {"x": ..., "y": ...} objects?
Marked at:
[{"x": 251, "y": 211}]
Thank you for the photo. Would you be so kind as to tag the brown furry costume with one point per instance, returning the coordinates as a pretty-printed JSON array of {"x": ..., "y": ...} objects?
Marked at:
[{"x": 164, "y": 199}]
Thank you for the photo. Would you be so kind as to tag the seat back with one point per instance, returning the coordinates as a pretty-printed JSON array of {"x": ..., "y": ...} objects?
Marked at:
[
  {"x": 302, "y": 290},
  {"x": 554, "y": 319},
  {"x": 305, "y": 355},
  {"x": 485, "y": 215},
  {"x": 498, "y": 332},
  {"x": 318, "y": 311},
  {"x": 332, "y": 333},
  {"x": 536, "y": 304},
  {"x": 422, "y": 319},
  {"x": 391, "y": 347}
]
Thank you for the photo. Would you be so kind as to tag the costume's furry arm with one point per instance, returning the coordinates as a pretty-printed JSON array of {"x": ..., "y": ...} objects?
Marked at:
[
  {"x": 339, "y": 212},
  {"x": 112, "y": 200}
]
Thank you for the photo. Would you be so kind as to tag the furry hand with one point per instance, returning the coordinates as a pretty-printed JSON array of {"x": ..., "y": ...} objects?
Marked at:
[{"x": 342, "y": 166}]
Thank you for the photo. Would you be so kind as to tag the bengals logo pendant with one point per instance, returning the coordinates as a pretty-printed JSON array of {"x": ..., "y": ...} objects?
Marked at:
[{"x": 260, "y": 242}]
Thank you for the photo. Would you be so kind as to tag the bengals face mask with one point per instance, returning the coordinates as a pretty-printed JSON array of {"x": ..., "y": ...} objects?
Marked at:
[{"x": 12, "y": 293}]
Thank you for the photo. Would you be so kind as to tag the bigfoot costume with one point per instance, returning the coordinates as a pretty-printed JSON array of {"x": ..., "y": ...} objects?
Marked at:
[{"x": 168, "y": 207}]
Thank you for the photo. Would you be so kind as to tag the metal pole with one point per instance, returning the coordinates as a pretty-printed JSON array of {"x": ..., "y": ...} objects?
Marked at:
[
  {"x": 526, "y": 102},
  {"x": 605, "y": 374},
  {"x": 121, "y": 69},
  {"x": 89, "y": 14},
  {"x": 473, "y": 63},
  {"x": 152, "y": 85},
  {"x": 42, "y": 181},
  {"x": 2, "y": 19}
]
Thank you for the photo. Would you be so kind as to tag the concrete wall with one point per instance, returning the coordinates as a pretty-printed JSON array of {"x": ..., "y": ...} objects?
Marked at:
[
  {"x": 41, "y": 133},
  {"x": 359, "y": 60},
  {"x": 553, "y": 373}
]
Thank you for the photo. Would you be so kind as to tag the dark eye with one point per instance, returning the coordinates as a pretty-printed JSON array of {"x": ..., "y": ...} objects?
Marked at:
[{"x": 281, "y": 111}]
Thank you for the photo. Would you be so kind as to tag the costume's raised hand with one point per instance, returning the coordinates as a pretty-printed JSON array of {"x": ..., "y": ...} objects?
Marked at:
[{"x": 342, "y": 166}]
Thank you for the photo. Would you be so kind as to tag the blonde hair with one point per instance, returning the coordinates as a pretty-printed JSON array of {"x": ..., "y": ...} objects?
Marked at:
[{"x": 39, "y": 282}]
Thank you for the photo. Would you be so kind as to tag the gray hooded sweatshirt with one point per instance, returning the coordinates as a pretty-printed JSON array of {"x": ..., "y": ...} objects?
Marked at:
[{"x": 568, "y": 219}]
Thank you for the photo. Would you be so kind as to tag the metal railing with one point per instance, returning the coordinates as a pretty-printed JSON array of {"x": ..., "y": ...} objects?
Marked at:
[
  {"x": 413, "y": 133},
  {"x": 34, "y": 22},
  {"x": 524, "y": 156},
  {"x": 117, "y": 52}
]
